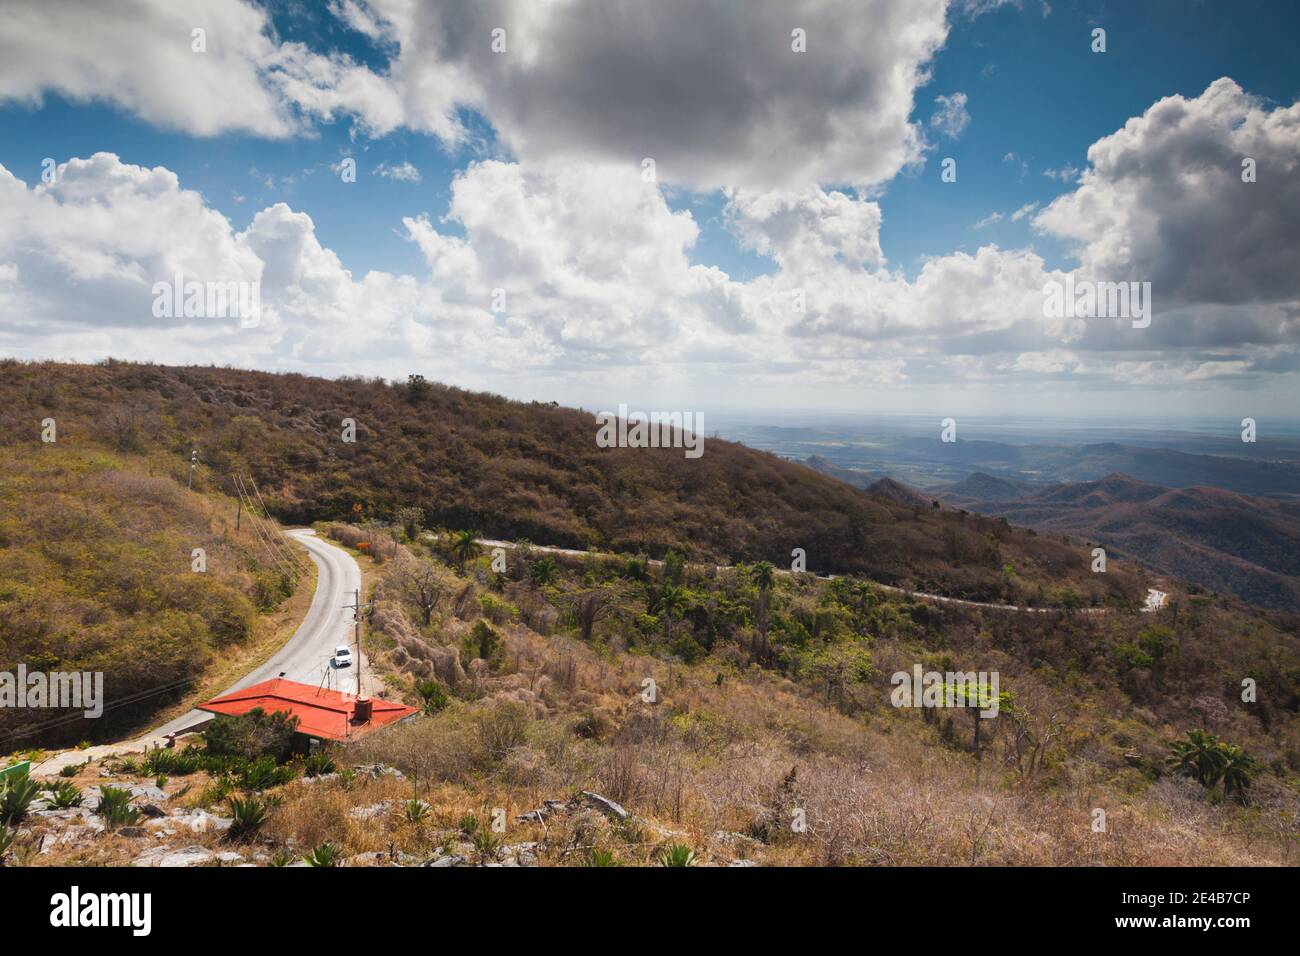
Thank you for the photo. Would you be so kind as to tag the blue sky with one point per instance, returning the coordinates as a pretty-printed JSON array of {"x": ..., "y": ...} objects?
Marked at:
[
  {"x": 1035, "y": 99},
  {"x": 1034, "y": 87}
]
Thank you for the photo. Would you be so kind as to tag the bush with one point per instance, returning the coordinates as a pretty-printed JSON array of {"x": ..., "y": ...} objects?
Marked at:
[
  {"x": 318, "y": 765},
  {"x": 253, "y": 735},
  {"x": 263, "y": 773},
  {"x": 114, "y": 808},
  {"x": 17, "y": 791},
  {"x": 180, "y": 763},
  {"x": 327, "y": 854},
  {"x": 248, "y": 814},
  {"x": 676, "y": 854},
  {"x": 483, "y": 641},
  {"x": 64, "y": 796},
  {"x": 432, "y": 694}
]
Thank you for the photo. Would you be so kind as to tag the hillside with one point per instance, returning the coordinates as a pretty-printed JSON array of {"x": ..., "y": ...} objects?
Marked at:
[
  {"x": 603, "y": 712},
  {"x": 97, "y": 574},
  {"x": 1221, "y": 540},
  {"x": 534, "y": 471}
]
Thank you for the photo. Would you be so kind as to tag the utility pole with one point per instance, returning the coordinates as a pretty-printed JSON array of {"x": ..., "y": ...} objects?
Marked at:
[
  {"x": 239, "y": 513},
  {"x": 358, "y": 607},
  {"x": 194, "y": 460}
]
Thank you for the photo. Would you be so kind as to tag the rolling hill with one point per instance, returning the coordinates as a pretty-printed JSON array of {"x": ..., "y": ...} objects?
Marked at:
[
  {"x": 1222, "y": 540},
  {"x": 532, "y": 471}
]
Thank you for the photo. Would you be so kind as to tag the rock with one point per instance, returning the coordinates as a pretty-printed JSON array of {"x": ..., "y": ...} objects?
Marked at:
[
  {"x": 165, "y": 856},
  {"x": 605, "y": 805},
  {"x": 149, "y": 791},
  {"x": 201, "y": 821},
  {"x": 132, "y": 832},
  {"x": 450, "y": 860},
  {"x": 229, "y": 856},
  {"x": 742, "y": 863},
  {"x": 152, "y": 810},
  {"x": 379, "y": 770},
  {"x": 532, "y": 816},
  {"x": 370, "y": 812},
  {"x": 521, "y": 854}
]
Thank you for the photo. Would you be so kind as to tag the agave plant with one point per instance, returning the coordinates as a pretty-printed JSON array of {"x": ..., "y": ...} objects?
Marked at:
[
  {"x": 115, "y": 809},
  {"x": 318, "y": 765},
  {"x": 64, "y": 795},
  {"x": 486, "y": 845},
  {"x": 17, "y": 791},
  {"x": 599, "y": 857},
  {"x": 327, "y": 854},
  {"x": 416, "y": 811},
  {"x": 248, "y": 814},
  {"x": 280, "y": 859},
  {"x": 676, "y": 854},
  {"x": 7, "y": 837}
]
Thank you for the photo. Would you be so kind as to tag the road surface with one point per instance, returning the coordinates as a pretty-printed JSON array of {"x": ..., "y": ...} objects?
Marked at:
[
  {"x": 306, "y": 658},
  {"x": 1154, "y": 602}
]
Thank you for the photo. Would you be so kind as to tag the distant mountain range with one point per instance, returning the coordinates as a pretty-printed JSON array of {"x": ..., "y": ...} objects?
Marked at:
[{"x": 1225, "y": 541}]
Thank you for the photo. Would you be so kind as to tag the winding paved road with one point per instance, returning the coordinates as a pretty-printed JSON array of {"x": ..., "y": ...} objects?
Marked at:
[
  {"x": 1154, "y": 602},
  {"x": 305, "y": 658}
]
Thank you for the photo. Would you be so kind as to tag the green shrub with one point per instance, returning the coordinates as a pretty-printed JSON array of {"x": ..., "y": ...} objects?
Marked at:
[
  {"x": 248, "y": 814},
  {"x": 253, "y": 735},
  {"x": 17, "y": 791},
  {"x": 64, "y": 795},
  {"x": 676, "y": 854},
  {"x": 432, "y": 694},
  {"x": 327, "y": 854},
  {"x": 416, "y": 811},
  {"x": 180, "y": 763},
  {"x": 262, "y": 773},
  {"x": 114, "y": 808},
  {"x": 318, "y": 764}
]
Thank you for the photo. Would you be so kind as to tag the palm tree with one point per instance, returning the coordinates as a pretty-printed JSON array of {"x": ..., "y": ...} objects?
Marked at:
[
  {"x": 764, "y": 578},
  {"x": 465, "y": 546},
  {"x": 672, "y": 598},
  {"x": 1237, "y": 768},
  {"x": 545, "y": 572},
  {"x": 1201, "y": 756}
]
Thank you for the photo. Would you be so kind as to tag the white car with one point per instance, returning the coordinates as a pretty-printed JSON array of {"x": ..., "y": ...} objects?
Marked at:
[{"x": 342, "y": 657}]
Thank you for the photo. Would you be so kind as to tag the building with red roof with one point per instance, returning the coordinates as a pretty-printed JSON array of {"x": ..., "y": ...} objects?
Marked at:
[{"x": 325, "y": 714}]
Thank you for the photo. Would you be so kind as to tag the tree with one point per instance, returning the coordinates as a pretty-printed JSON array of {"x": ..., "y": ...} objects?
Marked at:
[
  {"x": 764, "y": 575},
  {"x": 465, "y": 546},
  {"x": 544, "y": 572},
  {"x": 1209, "y": 760},
  {"x": 1238, "y": 768},
  {"x": 1199, "y": 757},
  {"x": 671, "y": 600},
  {"x": 423, "y": 583},
  {"x": 256, "y": 734},
  {"x": 412, "y": 521},
  {"x": 482, "y": 641},
  {"x": 591, "y": 606},
  {"x": 432, "y": 695}
]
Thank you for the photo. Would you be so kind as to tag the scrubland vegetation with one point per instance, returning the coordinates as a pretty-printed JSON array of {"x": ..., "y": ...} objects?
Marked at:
[
  {"x": 717, "y": 706},
  {"x": 96, "y": 574}
]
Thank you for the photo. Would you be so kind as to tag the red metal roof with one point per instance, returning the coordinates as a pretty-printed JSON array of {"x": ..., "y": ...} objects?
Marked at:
[{"x": 328, "y": 714}]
